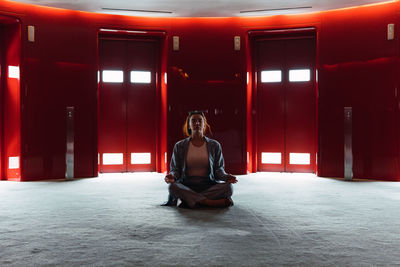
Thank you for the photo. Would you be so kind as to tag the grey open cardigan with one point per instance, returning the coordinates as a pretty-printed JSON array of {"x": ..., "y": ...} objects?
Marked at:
[{"x": 215, "y": 159}]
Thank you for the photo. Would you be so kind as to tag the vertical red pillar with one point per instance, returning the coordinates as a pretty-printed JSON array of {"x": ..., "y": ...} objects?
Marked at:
[
  {"x": 2, "y": 76},
  {"x": 12, "y": 103},
  {"x": 249, "y": 107}
]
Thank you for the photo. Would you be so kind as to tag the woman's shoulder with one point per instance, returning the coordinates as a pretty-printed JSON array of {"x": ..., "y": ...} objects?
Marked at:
[
  {"x": 182, "y": 142},
  {"x": 212, "y": 141}
]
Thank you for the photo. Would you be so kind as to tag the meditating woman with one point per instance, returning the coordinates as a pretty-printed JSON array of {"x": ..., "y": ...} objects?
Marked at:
[{"x": 197, "y": 176}]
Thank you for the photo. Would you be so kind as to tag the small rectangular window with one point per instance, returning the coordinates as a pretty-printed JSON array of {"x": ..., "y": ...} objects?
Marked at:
[
  {"x": 140, "y": 158},
  {"x": 13, "y": 72},
  {"x": 299, "y": 75},
  {"x": 140, "y": 77},
  {"x": 113, "y": 76},
  {"x": 299, "y": 158},
  {"x": 271, "y": 158},
  {"x": 13, "y": 163},
  {"x": 113, "y": 158},
  {"x": 271, "y": 76}
]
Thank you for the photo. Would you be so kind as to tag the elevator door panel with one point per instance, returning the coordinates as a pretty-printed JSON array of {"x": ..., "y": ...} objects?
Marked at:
[
  {"x": 286, "y": 105},
  {"x": 270, "y": 104},
  {"x": 112, "y": 107},
  {"x": 127, "y": 105},
  {"x": 141, "y": 115},
  {"x": 300, "y": 105}
]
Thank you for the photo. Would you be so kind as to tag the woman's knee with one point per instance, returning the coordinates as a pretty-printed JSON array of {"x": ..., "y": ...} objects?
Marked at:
[
  {"x": 228, "y": 188},
  {"x": 173, "y": 187}
]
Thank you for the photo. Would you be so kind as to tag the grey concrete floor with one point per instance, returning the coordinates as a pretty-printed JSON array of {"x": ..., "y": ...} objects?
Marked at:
[{"x": 278, "y": 219}]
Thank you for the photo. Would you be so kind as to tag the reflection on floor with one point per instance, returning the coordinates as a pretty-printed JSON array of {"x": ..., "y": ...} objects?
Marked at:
[{"x": 278, "y": 219}]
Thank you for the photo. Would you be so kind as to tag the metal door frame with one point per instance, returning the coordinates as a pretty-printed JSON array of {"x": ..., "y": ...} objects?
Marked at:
[
  {"x": 129, "y": 35},
  {"x": 269, "y": 34}
]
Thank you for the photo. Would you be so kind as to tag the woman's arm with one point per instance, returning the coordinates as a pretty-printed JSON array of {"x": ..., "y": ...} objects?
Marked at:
[
  {"x": 219, "y": 164},
  {"x": 176, "y": 163}
]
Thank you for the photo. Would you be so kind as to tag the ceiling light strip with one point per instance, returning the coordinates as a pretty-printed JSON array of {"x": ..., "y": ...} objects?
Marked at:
[
  {"x": 274, "y": 9},
  {"x": 137, "y": 10},
  {"x": 123, "y": 31}
]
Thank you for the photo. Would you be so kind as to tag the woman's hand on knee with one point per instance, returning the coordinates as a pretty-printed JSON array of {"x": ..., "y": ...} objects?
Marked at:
[
  {"x": 169, "y": 178},
  {"x": 231, "y": 179}
]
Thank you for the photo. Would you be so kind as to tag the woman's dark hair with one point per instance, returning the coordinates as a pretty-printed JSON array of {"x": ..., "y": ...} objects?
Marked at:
[{"x": 186, "y": 129}]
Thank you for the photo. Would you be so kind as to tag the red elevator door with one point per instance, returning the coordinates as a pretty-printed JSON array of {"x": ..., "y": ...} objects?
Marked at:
[
  {"x": 127, "y": 105},
  {"x": 286, "y": 104}
]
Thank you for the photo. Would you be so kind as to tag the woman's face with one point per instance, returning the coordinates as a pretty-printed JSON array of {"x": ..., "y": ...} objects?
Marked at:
[{"x": 196, "y": 124}]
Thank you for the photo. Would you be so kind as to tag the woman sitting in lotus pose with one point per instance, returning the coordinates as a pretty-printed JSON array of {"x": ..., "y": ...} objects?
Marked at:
[{"x": 197, "y": 176}]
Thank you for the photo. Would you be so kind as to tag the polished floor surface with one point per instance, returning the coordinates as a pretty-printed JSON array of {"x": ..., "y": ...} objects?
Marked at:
[{"x": 278, "y": 219}]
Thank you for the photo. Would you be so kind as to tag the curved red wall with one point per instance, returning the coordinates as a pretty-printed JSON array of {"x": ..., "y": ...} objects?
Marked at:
[{"x": 357, "y": 66}]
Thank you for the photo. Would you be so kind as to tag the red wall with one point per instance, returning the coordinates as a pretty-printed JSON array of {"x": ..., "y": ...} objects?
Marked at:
[
  {"x": 208, "y": 74},
  {"x": 356, "y": 65}
]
